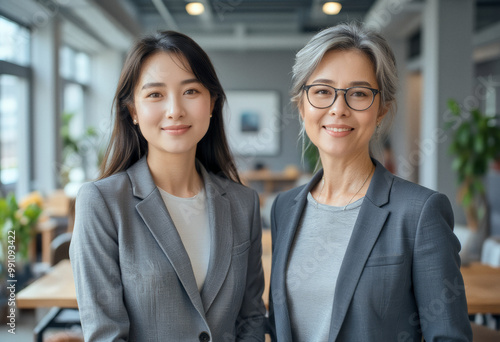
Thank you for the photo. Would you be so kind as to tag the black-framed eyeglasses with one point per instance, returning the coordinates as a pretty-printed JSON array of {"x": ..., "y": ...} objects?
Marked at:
[{"x": 322, "y": 96}]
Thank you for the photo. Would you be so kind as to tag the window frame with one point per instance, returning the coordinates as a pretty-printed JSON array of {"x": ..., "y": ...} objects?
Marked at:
[{"x": 26, "y": 149}]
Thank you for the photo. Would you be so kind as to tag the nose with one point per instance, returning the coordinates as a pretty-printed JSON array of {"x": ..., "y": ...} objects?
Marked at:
[
  {"x": 339, "y": 106},
  {"x": 174, "y": 109}
]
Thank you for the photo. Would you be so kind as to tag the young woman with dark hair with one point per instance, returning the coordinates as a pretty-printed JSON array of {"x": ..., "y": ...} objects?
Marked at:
[{"x": 167, "y": 243}]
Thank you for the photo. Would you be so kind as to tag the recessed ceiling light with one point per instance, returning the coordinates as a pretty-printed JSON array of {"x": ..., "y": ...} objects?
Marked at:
[
  {"x": 195, "y": 8},
  {"x": 332, "y": 8}
]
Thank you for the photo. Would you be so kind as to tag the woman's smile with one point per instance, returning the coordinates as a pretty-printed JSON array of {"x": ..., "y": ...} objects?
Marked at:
[
  {"x": 338, "y": 131},
  {"x": 176, "y": 129}
]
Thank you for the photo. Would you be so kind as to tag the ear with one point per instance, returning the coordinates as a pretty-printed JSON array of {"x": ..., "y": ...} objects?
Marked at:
[
  {"x": 131, "y": 110},
  {"x": 213, "y": 99},
  {"x": 383, "y": 111}
]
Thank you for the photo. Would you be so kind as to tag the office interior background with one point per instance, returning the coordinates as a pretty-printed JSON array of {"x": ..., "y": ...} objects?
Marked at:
[{"x": 60, "y": 61}]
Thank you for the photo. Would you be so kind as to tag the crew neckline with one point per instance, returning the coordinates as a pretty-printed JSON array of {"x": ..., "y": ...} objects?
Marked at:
[{"x": 322, "y": 206}]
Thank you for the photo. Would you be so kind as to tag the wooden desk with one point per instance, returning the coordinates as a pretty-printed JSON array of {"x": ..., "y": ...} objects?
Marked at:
[
  {"x": 56, "y": 288},
  {"x": 269, "y": 178},
  {"x": 57, "y": 204},
  {"x": 482, "y": 288}
]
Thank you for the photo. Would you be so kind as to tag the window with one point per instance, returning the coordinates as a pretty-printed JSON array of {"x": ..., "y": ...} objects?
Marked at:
[
  {"x": 14, "y": 106},
  {"x": 75, "y": 73},
  {"x": 74, "y": 66},
  {"x": 14, "y": 42}
]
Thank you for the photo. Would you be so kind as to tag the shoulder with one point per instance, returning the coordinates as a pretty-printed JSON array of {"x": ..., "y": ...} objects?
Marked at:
[
  {"x": 110, "y": 187},
  {"x": 402, "y": 197},
  {"x": 386, "y": 188},
  {"x": 421, "y": 203},
  {"x": 404, "y": 190}
]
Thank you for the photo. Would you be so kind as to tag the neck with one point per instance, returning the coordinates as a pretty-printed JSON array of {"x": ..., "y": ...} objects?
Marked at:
[
  {"x": 175, "y": 173},
  {"x": 345, "y": 180}
]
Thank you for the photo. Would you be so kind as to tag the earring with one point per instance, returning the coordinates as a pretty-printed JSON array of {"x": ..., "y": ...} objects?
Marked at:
[
  {"x": 135, "y": 122},
  {"x": 210, "y": 115}
]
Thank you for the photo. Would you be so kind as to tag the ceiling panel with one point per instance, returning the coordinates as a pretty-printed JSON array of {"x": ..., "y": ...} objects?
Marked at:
[
  {"x": 253, "y": 15},
  {"x": 251, "y": 20}
]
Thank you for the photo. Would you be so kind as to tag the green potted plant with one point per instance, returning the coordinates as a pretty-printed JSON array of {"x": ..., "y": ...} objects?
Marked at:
[
  {"x": 75, "y": 148},
  {"x": 475, "y": 145},
  {"x": 17, "y": 222}
]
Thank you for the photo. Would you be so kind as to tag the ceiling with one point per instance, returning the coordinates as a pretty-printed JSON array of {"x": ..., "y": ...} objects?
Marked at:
[
  {"x": 275, "y": 24},
  {"x": 266, "y": 15},
  {"x": 226, "y": 24},
  {"x": 251, "y": 16}
]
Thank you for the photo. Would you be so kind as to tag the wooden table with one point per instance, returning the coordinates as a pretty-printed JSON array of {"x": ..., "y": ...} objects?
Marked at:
[
  {"x": 57, "y": 204},
  {"x": 56, "y": 288},
  {"x": 482, "y": 288},
  {"x": 269, "y": 178}
]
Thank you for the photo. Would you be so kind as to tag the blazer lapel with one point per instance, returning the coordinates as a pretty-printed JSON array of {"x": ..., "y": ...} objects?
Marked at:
[
  {"x": 369, "y": 224},
  {"x": 286, "y": 233},
  {"x": 156, "y": 217},
  {"x": 219, "y": 214}
]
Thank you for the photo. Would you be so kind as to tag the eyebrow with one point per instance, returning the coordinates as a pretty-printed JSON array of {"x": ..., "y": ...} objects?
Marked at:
[
  {"x": 153, "y": 84},
  {"x": 191, "y": 80},
  {"x": 161, "y": 84},
  {"x": 352, "y": 84}
]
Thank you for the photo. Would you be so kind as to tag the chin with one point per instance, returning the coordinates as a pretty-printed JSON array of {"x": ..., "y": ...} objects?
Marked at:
[
  {"x": 176, "y": 149},
  {"x": 335, "y": 151}
]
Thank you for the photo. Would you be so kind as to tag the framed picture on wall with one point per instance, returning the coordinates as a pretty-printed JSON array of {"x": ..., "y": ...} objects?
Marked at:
[{"x": 252, "y": 122}]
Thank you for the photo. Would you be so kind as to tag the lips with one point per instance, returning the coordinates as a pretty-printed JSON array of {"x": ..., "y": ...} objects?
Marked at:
[
  {"x": 338, "y": 130},
  {"x": 335, "y": 129},
  {"x": 176, "y": 129}
]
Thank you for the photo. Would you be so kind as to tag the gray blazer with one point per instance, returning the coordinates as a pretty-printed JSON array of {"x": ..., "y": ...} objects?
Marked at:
[
  {"x": 134, "y": 280},
  {"x": 400, "y": 277}
]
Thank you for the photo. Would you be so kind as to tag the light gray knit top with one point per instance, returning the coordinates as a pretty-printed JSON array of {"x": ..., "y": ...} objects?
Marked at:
[{"x": 315, "y": 259}]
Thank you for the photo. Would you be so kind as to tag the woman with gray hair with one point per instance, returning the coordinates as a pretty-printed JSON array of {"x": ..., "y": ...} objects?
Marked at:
[{"x": 358, "y": 253}]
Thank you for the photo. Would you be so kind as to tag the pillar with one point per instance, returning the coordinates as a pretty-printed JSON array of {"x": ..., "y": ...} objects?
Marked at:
[{"x": 447, "y": 27}]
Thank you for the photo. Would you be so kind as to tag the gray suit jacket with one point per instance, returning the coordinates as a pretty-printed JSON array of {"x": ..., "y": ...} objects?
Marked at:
[
  {"x": 400, "y": 277},
  {"x": 134, "y": 280}
]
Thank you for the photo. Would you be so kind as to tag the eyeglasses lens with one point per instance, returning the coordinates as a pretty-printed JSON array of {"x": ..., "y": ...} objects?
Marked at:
[{"x": 322, "y": 96}]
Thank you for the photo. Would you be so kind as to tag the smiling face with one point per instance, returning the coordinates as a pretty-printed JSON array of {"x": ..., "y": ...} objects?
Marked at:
[
  {"x": 338, "y": 130},
  {"x": 171, "y": 106}
]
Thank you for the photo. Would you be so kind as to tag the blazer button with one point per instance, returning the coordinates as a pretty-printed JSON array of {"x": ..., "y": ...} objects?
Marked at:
[{"x": 204, "y": 336}]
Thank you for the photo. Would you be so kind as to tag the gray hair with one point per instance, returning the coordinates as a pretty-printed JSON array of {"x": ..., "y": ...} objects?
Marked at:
[{"x": 351, "y": 36}]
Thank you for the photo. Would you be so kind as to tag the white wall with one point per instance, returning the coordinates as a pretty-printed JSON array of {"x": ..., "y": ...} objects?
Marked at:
[
  {"x": 263, "y": 70},
  {"x": 106, "y": 67}
]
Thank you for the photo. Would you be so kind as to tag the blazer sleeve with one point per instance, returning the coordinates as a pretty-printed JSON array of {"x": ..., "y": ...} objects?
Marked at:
[
  {"x": 438, "y": 284},
  {"x": 251, "y": 320},
  {"x": 94, "y": 259}
]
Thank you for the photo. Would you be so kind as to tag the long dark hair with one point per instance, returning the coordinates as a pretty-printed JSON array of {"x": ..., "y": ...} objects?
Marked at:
[{"x": 127, "y": 145}]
